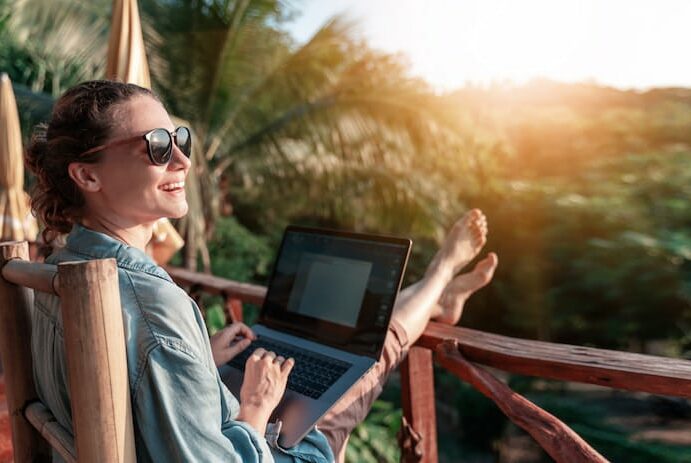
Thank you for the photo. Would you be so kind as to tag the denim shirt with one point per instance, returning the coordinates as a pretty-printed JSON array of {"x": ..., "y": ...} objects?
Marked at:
[{"x": 182, "y": 410}]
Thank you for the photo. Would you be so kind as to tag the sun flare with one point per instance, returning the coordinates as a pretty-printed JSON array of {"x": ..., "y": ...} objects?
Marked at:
[{"x": 452, "y": 42}]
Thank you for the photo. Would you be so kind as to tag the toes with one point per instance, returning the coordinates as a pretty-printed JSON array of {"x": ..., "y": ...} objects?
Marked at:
[
  {"x": 479, "y": 236},
  {"x": 471, "y": 216},
  {"x": 487, "y": 266}
]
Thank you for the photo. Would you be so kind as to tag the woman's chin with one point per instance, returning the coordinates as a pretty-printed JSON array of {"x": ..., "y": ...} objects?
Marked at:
[{"x": 179, "y": 212}]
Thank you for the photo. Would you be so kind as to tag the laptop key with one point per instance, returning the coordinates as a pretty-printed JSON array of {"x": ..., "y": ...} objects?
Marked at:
[{"x": 312, "y": 374}]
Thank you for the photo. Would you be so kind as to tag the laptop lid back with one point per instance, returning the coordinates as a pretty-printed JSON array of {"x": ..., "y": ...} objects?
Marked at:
[{"x": 337, "y": 288}]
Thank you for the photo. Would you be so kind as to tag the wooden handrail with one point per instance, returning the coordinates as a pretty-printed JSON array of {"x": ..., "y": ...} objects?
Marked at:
[
  {"x": 621, "y": 370},
  {"x": 556, "y": 438},
  {"x": 40, "y": 277},
  {"x": 246, "y": 292}
]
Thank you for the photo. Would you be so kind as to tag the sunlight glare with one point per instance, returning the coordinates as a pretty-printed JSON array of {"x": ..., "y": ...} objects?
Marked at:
[{"x": 452, "y": 42}]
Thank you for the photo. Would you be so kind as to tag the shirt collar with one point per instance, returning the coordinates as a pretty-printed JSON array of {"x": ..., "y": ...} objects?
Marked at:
[{"x": 97, "y": 245}]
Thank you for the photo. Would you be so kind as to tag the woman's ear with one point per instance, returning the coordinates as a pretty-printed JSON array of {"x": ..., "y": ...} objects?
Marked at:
[{"x": 85, "y": 176}]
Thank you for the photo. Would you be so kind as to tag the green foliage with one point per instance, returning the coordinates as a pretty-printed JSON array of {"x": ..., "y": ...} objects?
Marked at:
[
  {"x": 238, "y": 254},
  {"x": 374, "y": 440},
  {"x": 613, "y": 440},
  {"x": 50, "y": 45},
  {"x": 476, "y": 420},
  {"x": 215, "y": 318},
  {"x": 336, "y": 127}
]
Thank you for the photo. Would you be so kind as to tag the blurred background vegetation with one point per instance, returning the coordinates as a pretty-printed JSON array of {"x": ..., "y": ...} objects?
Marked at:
[{"x": 586, "y": 188}]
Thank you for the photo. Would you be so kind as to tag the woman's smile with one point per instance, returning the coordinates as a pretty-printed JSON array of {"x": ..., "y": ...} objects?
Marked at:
[{"x": 173, "y": 187}]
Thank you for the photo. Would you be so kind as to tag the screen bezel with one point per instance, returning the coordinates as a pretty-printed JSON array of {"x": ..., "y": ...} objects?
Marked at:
[{"x": 320, "y": 330}]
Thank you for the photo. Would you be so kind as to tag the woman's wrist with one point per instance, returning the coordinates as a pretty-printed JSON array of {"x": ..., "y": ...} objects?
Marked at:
[{"x": 255, "y": 416}]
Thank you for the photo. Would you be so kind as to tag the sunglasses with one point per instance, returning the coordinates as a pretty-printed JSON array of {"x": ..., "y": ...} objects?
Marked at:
[{"x": 159, "y": 144}]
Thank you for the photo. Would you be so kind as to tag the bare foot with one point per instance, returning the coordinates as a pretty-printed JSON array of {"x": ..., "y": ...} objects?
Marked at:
[
  {"x": 452, "y": 299},
  {"x": 467, "y": 236}
]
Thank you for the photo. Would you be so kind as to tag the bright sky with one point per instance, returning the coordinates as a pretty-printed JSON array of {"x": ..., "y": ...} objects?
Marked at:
[{"x": 627, "y": 44}]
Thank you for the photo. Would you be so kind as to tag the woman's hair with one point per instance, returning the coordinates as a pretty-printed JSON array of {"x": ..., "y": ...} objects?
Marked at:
[{"x": 82, "y": 118}]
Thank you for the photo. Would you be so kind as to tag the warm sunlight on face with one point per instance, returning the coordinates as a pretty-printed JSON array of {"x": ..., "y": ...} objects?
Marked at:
[{"x": 450, "y": 42}]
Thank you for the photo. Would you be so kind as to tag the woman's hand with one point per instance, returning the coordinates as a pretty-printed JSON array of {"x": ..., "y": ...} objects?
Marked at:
[
  {"x": 230, "y": 341},
  {"x": 263, "y": 386}
]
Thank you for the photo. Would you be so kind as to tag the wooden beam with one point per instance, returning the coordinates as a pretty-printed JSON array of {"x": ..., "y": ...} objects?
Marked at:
[
  {"x": 40, "y": 277},
  {"x": 621, "y": 370},
  {"x": 233, "y": 308},
  {"x": 58, "y": 437},
  {"x": 15, "y": 332},
  {"x": 96, "y": 361},
  {"x": 557, "y": 439},
  {"x": 419, "y": 444},
  {"x": 246, "y": 292}
]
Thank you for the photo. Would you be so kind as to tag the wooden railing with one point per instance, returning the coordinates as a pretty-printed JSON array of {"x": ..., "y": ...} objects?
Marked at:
[{"x": 462, "y": 351}]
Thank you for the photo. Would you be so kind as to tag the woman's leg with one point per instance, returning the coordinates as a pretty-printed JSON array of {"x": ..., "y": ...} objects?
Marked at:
[
  {"x": 419, "y": 303},
  {"x": 415, "y": 306}
]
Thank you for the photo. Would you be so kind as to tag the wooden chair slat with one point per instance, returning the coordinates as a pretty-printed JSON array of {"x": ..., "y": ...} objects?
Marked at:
[
  {"x": 95, "y": 353},
  {"x": 97, "y": 362},
  {"x": 39, "y": 277},
  {"x": 15, "y": 331},
  {"x": 58, "y": 437}
]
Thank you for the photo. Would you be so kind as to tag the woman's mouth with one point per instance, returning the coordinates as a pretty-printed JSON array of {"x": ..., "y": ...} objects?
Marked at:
[{"x": 175, "y": 186}]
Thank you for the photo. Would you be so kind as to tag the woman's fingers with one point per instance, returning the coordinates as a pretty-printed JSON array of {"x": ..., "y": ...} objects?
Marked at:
[
  {"x": 246, "y": 331},
  {"x": 225, "y": 335},
  {"x": 258, "y": 353},
  {"x": 240, "y": 329},
  {"x": 287, "y": 366},
  {"x": 237, "y": 347},
  {"x": 230, "y": 341}
]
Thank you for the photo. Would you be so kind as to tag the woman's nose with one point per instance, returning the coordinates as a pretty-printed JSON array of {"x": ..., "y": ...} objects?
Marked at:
[{"x": 179, "y": 160}]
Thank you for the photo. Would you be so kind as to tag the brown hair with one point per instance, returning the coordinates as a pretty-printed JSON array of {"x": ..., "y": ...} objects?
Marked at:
[{"x": 82, "y": 118}]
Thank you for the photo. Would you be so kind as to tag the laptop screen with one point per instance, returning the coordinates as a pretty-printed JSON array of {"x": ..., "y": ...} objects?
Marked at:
[{"x": 337, "y": 288}]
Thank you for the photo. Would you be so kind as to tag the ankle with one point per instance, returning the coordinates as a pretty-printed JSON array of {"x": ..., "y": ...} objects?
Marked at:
[{"x": 437, "y": 269}]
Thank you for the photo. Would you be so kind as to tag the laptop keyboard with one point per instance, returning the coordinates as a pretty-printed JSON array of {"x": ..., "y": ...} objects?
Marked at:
[{"x": 312, "y": 374}]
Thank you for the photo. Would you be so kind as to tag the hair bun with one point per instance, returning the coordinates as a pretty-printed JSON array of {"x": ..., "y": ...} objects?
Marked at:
[{"x": 38, "y": 148}]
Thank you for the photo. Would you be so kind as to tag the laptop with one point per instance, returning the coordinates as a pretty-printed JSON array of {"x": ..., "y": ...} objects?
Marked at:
[{"x": 328, "y": 305}]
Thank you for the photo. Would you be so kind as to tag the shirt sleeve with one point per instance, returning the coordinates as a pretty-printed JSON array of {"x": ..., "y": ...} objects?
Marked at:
[{"x": 178, "y": 413}]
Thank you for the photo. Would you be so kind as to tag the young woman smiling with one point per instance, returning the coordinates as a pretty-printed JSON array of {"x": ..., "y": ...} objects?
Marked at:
[{"x": 109, "y": 164}]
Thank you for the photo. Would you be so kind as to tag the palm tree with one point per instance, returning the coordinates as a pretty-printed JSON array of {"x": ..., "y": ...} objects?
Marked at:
[
  {"x": 339, "y": 129},
  {"x": 60, "y": 42}
]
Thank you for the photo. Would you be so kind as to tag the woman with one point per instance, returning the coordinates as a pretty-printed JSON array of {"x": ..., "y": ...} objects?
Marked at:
[{"x": 109, "y": 164}]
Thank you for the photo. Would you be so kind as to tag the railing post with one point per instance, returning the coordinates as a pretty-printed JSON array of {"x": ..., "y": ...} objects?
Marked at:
[
  {"x": 15, "y": 332},
  {"x": 233, "y": 307},
  {"x": 419, "y": 431},
  {"x": 96, "y": 361}
]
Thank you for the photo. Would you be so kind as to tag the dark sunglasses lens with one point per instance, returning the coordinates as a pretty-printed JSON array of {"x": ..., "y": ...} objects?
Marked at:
[
  {"x": 183, "y": 138},
  {"x": 160, "y": 146}
]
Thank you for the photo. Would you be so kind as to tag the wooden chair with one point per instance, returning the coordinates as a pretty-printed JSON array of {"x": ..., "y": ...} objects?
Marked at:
[{"x": 95, "y": 352}]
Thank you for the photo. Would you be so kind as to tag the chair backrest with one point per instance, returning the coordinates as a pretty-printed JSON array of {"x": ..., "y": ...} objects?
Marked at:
[{"x": 95, "y": 353}]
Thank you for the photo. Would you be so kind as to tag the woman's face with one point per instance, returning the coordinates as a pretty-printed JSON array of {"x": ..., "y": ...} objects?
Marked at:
[{"x": 133, "y": 191}]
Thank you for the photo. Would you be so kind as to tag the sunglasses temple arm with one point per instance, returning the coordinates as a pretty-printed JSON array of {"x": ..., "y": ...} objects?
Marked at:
[{"x": 111, "y": 145}]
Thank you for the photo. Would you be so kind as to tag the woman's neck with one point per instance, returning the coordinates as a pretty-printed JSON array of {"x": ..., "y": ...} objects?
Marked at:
[{"x": 137, "y": 236}]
